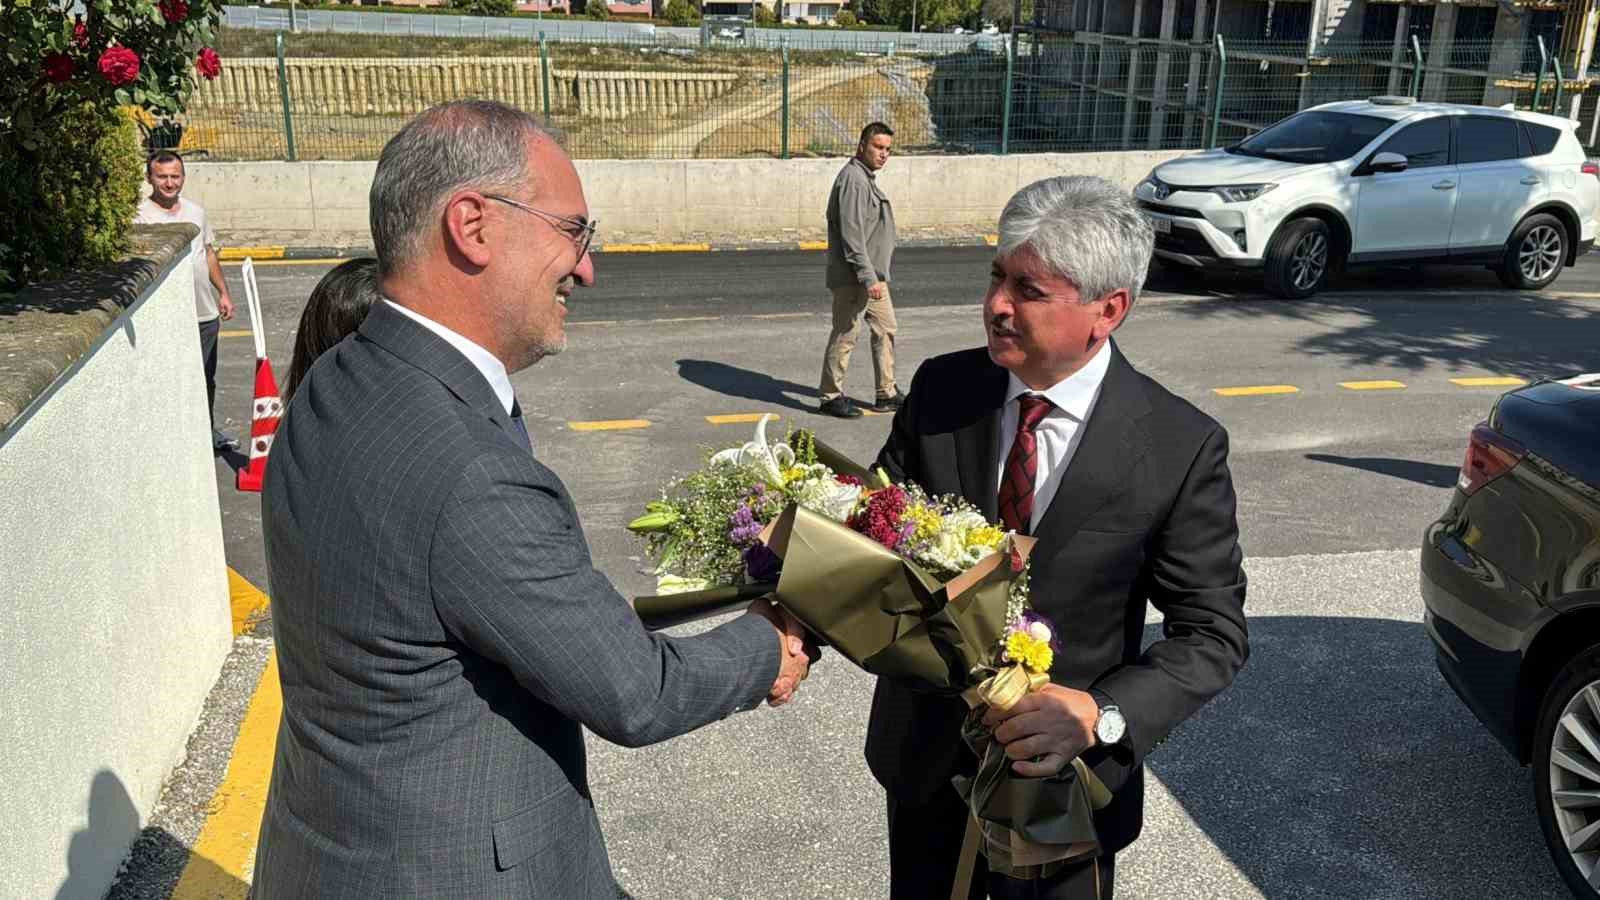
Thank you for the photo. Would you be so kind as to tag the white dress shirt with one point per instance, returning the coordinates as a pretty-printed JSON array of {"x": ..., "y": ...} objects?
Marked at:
[
  {"x": 1060, "y": 432},
  {"x": 494, "y": 371}
]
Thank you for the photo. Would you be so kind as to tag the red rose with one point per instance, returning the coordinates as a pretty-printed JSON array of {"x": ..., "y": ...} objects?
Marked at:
[
  {"x": 174, "y": 11},
  {"x": 208, "y": 64},
  {"x": 80, "y": 33},
  {"x": 119, "y": 65},
  {"x": 58, "y": 67}
]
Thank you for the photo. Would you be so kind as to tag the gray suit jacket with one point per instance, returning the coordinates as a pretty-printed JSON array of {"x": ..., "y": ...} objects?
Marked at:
[{"x": 442, "y": 635}]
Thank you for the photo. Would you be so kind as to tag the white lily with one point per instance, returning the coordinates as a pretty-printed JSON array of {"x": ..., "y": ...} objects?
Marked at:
[{"x": 770, "y": 460}]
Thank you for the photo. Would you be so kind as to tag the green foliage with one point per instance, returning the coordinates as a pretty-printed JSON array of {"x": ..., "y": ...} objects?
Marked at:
[
  {"x": 932, "y": 15},
  {"x": 764, "y": 16},
  {"x": 485, "y": 7},
  {"x": 69, "y": 206},
  {"x": 846, "y": 19},
  {"x": 597, "y": 10},
  {"x": 63, "y": 74},
  {"x": 681, "y": 12}
]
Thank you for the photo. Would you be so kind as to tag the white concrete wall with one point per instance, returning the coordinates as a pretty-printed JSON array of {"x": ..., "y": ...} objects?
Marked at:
[
  {"x": 114, "y": 617},
  {"x": 322, "y": 203}
]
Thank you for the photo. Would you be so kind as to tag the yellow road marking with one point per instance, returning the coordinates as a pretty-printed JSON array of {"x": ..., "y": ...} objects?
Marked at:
[
  {"x": 739, "y": 418},
  {"x": 252, "y": 252},
  {"x": 1258, "y": 390},
  {"x": 246, "y": 600},
  {"x": 1372, "y": 385},
  {"x": 222, "y": 859},
  {"x": 609, "y": 425},
  {"x": 1489, "y": 381},
  {"x": 289, "y": 262},
  {"x": 813, "y": 245},
  {"x": 234, "y": 333},
  {"x": 654, "y": 248}
]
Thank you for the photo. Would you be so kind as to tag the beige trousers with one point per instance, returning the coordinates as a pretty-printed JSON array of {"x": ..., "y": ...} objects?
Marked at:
[{"x": 848, "y": 305}]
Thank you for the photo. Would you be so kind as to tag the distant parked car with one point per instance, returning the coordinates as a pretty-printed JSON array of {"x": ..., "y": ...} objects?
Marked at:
[
  {"x": 1384, "y": 180},
  {"x": 1511, "y": 586}
]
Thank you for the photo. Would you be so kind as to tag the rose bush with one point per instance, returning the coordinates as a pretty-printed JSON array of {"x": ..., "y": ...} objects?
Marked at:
[{"x": 65, "y": 69}]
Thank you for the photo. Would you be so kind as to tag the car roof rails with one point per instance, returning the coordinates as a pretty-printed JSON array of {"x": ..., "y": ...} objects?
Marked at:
[{"x": 1391, "y": 100}]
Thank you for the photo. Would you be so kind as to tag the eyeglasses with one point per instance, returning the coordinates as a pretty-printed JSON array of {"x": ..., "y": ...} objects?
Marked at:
[{"x": 579, "y": 231}]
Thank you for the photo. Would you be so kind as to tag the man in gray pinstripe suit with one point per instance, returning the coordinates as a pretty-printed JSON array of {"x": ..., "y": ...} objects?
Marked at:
[{"x": 442, "y": 634}]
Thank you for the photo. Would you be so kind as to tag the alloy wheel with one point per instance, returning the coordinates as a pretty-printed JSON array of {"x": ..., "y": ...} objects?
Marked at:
[
  {"x": 1309, "y": 261},
  {"x": 1540, "y": 253},
  {"x": 1575, "y": 780}
]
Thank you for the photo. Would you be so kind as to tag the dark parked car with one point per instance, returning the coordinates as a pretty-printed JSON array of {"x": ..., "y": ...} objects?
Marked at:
[{"x": 1511, "y": 581}]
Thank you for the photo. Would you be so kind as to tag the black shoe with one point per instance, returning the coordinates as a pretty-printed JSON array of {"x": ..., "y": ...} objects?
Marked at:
[
  {"x": 222, "y": 443},
  {"x": 889, "y": 404},
  {"x": 840, "y": 407}
]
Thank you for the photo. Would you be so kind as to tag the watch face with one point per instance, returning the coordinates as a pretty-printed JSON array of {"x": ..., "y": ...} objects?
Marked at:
[{"x": 1110, "y": 727}]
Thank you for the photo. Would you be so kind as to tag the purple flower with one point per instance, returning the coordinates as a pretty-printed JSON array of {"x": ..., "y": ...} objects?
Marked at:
[
  {"x": 743, "y": 528},
  {"x": 761, "y": 564}
]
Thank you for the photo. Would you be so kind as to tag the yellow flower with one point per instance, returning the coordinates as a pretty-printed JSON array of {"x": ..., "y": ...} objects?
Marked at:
[
  {"x": 927, "y": 520},
  {"x": 986, "y": 538},
  {"x": 1034, "y": 655},
  {"x": 793, "y": 473}
]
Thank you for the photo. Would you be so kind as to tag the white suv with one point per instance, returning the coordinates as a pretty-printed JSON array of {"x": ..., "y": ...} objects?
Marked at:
[{"x": 1379, "y": 181}]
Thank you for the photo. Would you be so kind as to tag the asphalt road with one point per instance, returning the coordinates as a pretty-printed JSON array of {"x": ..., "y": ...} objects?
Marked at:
[{"x": 1339, "y": 765}]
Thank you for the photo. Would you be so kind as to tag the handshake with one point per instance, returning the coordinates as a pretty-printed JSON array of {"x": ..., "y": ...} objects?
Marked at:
[{"x": 799, "y": 650}]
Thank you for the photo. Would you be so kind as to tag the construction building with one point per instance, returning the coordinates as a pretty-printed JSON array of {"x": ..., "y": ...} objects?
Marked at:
[{"x": 1142, "y": 73}]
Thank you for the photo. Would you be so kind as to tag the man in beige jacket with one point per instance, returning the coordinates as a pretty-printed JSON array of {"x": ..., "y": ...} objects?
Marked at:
[{"x": 860, "y": 245}]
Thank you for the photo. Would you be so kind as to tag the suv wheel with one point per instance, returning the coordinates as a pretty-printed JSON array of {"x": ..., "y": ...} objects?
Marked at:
[
  {"x": 1299, "y": 259},
  {"x": 1535, "y": 254},
  {"x": 1566, "y": 772}
]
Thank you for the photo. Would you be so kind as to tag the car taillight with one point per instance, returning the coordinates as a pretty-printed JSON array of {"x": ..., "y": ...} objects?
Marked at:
[
  {"x": 1489, "y": 455},
  {"x": 1590, "y": 167}
]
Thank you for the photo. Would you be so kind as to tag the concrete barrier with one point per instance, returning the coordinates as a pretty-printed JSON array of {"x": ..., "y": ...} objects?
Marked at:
[
  {"x": 325, "y": 203},
  {"x": 405, "y": 87},
  {"x": 113, "y": 588}
]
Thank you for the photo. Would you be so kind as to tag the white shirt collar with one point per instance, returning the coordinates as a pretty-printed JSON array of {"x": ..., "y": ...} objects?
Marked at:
[
  {"x": 1073, "y": 395},
  {"x": 493, "y": 370}
]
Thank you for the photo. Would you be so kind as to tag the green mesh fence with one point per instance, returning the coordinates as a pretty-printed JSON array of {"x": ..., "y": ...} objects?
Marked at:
[{"x": 342, "y": 96}]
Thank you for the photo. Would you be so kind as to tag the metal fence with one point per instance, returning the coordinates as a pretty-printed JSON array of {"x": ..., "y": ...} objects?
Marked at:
[
  {"x": 342, "y": 95},
  {"x": 554, "y": 29}
]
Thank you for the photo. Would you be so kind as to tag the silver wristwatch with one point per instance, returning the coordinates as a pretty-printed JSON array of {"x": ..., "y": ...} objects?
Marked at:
[{"x": 1111, "y": 727}]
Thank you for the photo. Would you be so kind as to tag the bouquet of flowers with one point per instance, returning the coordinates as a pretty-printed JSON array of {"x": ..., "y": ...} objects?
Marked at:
[{"x": 905, "y": 585}]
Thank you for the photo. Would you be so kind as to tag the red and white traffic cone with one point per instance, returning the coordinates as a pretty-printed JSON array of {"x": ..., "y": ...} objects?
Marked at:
[
  {"x": 263, "y": 425},
  {"x": 268, "y": 406}
]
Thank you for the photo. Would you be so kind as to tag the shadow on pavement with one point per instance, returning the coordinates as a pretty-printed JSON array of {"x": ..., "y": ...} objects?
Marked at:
[
  {"x": 1341, "y": 765},
  {"x": 1430, "y": 474},
  {"x": 1510, "y": 333},
  {"x": 733, "y": 381}
]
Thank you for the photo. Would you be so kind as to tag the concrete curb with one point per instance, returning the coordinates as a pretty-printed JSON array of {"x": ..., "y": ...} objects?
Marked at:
[{"x": 279, "y": 252}]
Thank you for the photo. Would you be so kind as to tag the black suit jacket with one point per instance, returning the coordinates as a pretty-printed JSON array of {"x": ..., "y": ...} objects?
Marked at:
[{"x": 1144, "y": 514}]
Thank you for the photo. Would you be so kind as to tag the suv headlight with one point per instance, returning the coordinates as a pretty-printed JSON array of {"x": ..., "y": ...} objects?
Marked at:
[{"x": 1240, "y": 193}]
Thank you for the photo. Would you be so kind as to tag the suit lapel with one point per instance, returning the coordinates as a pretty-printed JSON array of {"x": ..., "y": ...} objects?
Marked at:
[
  {"x": 978, "y": 442},
  {"x": 399, "y": 334},
  {"x": 1114, "y": 439}
]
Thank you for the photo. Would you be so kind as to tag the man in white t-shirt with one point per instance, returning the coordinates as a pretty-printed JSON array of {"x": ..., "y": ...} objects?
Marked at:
[{"x": 211, "y": 301}]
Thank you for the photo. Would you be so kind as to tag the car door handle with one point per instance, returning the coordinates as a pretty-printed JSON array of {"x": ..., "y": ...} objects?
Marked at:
[
  {"x": 1531, "y": 179},
  {"x": 1444, "y": 185}
]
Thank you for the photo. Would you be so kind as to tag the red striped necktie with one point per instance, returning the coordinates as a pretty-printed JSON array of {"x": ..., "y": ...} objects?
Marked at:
[{"x": 1022, "y": 464}]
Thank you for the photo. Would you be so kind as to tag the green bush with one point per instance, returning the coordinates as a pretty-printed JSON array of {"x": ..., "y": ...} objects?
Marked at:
[
  {"x": 765, "y": 17},
  {"x": 597, "y": 10},
  {"x": 68, "y": 204},
  {"x": 681, "y": 12},
  {"x": 485, "y": 7},
  {"x": 845, "y": 19}
]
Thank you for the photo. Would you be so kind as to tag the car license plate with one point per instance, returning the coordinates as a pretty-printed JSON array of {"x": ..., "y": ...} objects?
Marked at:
[{"x": 1161, "y": 226}]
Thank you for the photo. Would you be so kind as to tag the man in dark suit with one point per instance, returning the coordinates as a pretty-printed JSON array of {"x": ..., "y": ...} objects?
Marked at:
[
  {"x": 1126, "y": 488},
  {"x": 442, "y": 634}
]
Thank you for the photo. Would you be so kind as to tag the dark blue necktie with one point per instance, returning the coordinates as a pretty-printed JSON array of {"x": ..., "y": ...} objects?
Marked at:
[{"x": 516, "y": 422}]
